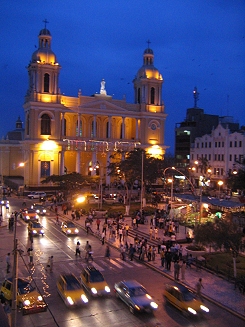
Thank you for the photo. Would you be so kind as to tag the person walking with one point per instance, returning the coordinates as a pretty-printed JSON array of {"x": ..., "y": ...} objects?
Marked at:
[
  {"x": 182, "y": 269},
  {"x": 131, "y": 252},
  {"x": 155, "y": 232},
  {"x": 30, "y": 254},
  {"x": 8, "y": 262},
  {"x": 199, "y": 287},
  {"x": 57, "y": 219},
  {"x": 103, "y": 238},
  {"x": 150, "y": 232},
  {"x": 78, "y": 252},
  {"x": 50, "y": 264},
  {"x": 162, "y": 255},
  {"x": 176, "y": 270},
  {"x": 98, "y": 224},
  {"x": 108, "y": 252}
]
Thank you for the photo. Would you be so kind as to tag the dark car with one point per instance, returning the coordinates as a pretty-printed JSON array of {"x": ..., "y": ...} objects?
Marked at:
[
  {"x": 40, "y": 209},
  {"x": 135, "y": 296}
]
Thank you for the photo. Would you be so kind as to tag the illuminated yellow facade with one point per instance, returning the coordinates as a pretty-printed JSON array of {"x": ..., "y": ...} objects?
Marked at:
[{"x": 79, "y": 134}]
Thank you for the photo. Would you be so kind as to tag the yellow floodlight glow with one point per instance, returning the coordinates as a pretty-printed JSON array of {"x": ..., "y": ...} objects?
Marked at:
[
  {"x": 81, "y": 199},
  {"x": 155, "y": 151},
  {"x": 48, "y": 145}
]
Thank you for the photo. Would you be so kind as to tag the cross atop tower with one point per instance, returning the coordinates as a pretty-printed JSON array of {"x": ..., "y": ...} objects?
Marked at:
[
  {"x": 45, "y": 22},
  {"x": 148, "y": 42}
]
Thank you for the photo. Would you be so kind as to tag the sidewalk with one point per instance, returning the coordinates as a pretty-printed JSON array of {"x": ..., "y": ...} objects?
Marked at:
[{"x": 216, "y": 289}]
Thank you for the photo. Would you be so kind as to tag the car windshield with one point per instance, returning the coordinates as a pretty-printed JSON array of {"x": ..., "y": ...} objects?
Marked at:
[
  {"x": 187, "y": 295},
  {"x": 73, "y": 286},
  {"x": 24, "y": 287},
  {"x": 137, "y": 291},
  {"x": 70, "y": 224},
  {"x": 96, "y": 277},
  {"x": 36, "y": 225}
]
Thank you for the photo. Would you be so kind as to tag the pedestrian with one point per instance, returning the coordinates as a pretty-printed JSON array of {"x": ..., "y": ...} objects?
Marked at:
[
  {"x": 183, "y": 268},
  {"x": 168, "y": 260},
  {"x": 30, "y": 254},
  {"x": 149, "y": 253},
  {"x": 98, "y": 224},
  {"x": 78, "y": 252},
  {"x": 120, "y": 234},
  {"x": 56, "y": 209},
  {"x": 199, "y": 287},
  {"x": 103, "y": 238},
  {"x": 8, "y": 262},
  {"x": 176, "y": 270},
  {"x": 150, "y": 232},
  {"x": 50, "y": 264},
  {"x": 7, "y": 310},
  {"x": 162, "y": 254},
  {"x": 108, "y": 252},
  {"x": 131, "y": 252},
  {"x": 57, "y": 219},
  {"x": 156, "y": 232},
  {"x": 154, "y": 250}
]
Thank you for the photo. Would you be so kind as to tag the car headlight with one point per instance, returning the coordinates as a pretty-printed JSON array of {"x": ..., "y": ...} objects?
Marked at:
[
  {"x": 70, "y": 301},
  {"x": 84, "y": 298},
  {"x": 154, "y": 305},
  {"x": 68, "y": 231},
  {"x": 34, "y": 231},
  {"x": 37, "y": 210},
  {"x": 76, "y": 230},
  {"x": 44, "y": 210},
  {"x": 202, "y": 307},
  {"x": 192, "y": 311},
  {"x": 137, "y": 307},
  {"x": 107, "y": 289},
  {"x": 40, "y": 298},
  {"x": 94, "y": 290},
  {"x": 27, "y": 217},
  {"x": 27, "y": 302},
  {"x": 148, "y": 296}
]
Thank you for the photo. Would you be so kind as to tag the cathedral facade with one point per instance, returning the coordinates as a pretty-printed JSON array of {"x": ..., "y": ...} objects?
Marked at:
[{"x": 65, "y": 134}]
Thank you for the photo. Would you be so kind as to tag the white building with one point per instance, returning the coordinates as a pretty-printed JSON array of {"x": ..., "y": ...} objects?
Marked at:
[{"x": 214, "y": 156}]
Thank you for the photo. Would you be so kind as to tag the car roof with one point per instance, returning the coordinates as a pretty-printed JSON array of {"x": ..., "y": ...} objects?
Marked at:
[
  {"x": 182, "y": 288},
  {"x": 21, "y": 281},
  {"x": 92, "y": 269},
  {"x": 131, "y": 283}
]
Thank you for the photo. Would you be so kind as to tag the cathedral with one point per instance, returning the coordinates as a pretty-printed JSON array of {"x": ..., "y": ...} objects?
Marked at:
[{"x": 65, "y": 134}]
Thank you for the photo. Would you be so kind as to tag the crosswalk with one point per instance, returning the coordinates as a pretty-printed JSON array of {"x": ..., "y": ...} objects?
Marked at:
[{"x": 76, "y": 266}]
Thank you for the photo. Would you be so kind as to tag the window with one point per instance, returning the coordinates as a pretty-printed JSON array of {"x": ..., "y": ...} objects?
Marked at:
[
  {"x": 222, "y": 157},
  {"x": 215, "y": 144},
  {"x": 46, "y": 82},
  {"x": 45, "y": 125},
  {"x": 79, "y": 133},
  {"x": 45, "y": 169},
  {"x": 240, "y": 144},
  {"x": 205, "y": 144},
  {"x": 152, "y": 95},
  {"x": 107, "y": 130},
  {"x": 235, "y": 144},
  {"x": 197, "y": 145},
  {"x": 215, "y": 157},
  {"x": 222, "y": 171},
  {"x": 230, "y": 144},
  {"x": 210, "y": 144},
  {"x": 230, "y": 157},
  {"x": 138, "y": 96},
  {"x": 219, "y": 144},
  {"x": 93, "y": 129},
  {"x": 202, "y": 144},
  {"x": 209, "y": 157},
  {"x": 223, "y": 144}
]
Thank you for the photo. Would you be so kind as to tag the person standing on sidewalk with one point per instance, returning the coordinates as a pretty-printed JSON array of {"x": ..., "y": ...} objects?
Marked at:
[
  {"x": 8, "y": 262},
  {"x": 176, "y": 270},
  {"x": 199, "y": 287},
  {"x": 182, "y": 269},
  {"x": 150, "y": 232}
]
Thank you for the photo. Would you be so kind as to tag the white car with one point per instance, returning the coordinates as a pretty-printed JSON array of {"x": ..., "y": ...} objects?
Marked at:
[{"x": 36, "y": 195}]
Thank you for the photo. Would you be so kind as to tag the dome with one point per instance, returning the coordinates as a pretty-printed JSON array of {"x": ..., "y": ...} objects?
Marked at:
[
  {"x": 45, "y": 31},
  {"x": 148, "y": 51},
  {"x": 44, "y": 54}
]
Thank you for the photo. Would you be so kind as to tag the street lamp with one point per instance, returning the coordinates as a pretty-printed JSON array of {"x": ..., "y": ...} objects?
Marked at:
[
  {"x": 220, "y": 183},
  {"x": 171, "y": 180}
]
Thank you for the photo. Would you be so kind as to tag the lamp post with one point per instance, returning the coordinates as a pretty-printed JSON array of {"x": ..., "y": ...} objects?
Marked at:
[
  {"x": 220, "y": 183},
  {"x": 171, "y": 180}
]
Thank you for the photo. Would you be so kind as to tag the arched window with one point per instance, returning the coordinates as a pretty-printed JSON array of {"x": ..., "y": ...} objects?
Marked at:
[
  {"x": 79, "y": 133},
  {"x": 46, "y": 82},
  {"x": 152, "y": 95},
  {"x": 138, "y": 99},
  {"x": 45, "y": 125},
  {"x": 107, "y": 130},
  {"x": 93, "y": 129}
]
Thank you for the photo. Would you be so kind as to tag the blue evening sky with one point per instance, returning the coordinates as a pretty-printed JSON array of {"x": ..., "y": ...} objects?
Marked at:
[{"x": 195, "y": 43}]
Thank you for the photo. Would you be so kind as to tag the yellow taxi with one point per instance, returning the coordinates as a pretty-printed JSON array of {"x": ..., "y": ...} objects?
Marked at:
[
  {"x": 69, "y": 228},
  {"x": 35, "y": 228},
  {"x": 184, "y": 300},
  {"x": 28, "y": 299},
  {"x": 93, "y": 281},
  {"x": 70, "y": 290},
  {"x": 28, "y": 215}
]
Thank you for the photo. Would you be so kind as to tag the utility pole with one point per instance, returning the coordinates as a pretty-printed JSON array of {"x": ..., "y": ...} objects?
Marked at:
[
  {"x": 142, "y": 183},
  {"x": 15, "y": 277}
]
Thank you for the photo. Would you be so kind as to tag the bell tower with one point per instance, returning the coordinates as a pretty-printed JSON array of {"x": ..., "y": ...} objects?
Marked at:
[
  {"x": 43, "y": 71},
  {"x": 148, "y": 83}
]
